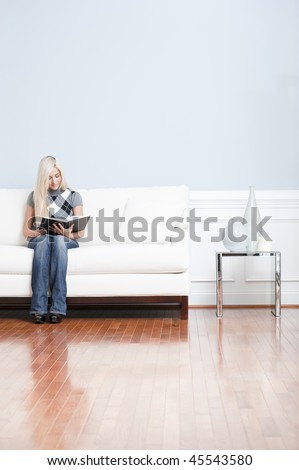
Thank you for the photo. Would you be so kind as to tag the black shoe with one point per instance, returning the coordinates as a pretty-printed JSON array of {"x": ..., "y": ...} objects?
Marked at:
[
  {"x": 55, "y": 318},
  {"x": 39, "y": 318}
]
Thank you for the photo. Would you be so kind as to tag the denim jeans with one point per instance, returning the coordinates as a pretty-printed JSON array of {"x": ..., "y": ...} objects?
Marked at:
[{"x": 49, "y": 271}]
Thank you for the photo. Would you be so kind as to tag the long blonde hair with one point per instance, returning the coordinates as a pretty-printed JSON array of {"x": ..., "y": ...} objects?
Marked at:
[{"x": 40, "y": 196}]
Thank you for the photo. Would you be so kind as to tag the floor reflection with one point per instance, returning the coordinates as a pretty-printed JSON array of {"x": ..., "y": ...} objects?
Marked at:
[
  {"x": 53, "y": 398},
  {"x": 63, "y": 378}
]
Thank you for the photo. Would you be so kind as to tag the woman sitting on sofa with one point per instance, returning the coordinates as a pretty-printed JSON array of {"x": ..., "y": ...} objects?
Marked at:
[{"x": 51, "y": 198}]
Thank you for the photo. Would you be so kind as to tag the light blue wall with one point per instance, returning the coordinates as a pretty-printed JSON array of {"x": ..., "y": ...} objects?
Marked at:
[{"x": 151, "y": 92}]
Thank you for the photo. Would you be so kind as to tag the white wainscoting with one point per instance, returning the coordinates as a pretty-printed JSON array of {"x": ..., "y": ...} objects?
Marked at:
[{"x": 247, "y": 281}]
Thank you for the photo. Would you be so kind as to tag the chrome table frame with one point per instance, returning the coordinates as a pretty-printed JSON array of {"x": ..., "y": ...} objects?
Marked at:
[{"x": 219, "y": 286}]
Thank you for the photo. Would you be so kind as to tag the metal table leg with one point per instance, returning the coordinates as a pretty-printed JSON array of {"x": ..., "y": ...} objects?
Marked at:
[
  {"x": 277, "y": 312},
  {"x": 219, "y": 292}
]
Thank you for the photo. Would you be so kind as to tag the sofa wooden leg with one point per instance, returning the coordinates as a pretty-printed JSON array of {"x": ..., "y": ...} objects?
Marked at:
[{"x": 184, "y": 307}]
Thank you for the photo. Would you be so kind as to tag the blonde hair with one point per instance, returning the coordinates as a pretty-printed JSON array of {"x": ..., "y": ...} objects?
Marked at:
[{"x": 40, "y": 196}]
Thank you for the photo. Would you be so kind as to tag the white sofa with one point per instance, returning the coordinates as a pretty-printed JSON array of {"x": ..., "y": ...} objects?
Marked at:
[{"x": 107, "y": 272}]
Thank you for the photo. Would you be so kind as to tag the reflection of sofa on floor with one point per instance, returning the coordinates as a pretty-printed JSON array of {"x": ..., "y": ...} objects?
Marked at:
[{"x": 108, "y": 272}]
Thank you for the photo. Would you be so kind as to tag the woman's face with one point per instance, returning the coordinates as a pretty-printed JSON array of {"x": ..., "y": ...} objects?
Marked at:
[{"x": 54, "y": 179}]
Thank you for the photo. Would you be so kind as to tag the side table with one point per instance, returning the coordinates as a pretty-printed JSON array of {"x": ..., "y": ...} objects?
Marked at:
[{"x": 219, "y": 286}]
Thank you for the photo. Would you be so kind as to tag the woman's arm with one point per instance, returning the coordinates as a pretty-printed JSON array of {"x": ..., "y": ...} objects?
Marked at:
[{"x": 28, "y": 221}]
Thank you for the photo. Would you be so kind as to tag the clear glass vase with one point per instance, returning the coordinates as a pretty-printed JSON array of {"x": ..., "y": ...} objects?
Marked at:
[{"x": 253, "y": 218}]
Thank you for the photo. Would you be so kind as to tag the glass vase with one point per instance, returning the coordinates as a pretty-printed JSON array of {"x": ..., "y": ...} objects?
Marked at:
[{"x": 252, "y": 218}]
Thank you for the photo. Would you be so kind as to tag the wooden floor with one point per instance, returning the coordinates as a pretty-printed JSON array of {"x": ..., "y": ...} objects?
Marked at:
[{"x": 151, "y": 383}]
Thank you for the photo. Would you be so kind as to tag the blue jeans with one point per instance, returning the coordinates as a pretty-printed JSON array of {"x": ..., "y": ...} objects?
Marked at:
[{"x": 49, "y": 270}]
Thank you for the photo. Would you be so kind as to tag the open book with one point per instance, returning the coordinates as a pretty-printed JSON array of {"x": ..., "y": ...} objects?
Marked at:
[{"x": 48, "y": 222}]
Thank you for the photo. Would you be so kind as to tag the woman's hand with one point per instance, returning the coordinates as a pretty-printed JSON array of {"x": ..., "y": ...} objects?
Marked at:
[
  {"x": 41, "y": 231},
  {"x": 66, "y": 232}
]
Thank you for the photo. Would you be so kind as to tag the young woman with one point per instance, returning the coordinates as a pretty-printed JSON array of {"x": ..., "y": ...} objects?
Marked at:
[{"x": 51, "y": 198}]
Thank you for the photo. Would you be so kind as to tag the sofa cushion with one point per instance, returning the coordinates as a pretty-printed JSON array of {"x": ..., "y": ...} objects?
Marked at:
[
  {"x": 129, "y": 258},
  {"x": 140, "y": 216},
  {"x": 15, "y": 259},
  {"x": 109, "y": 259},
  {"x": 13, "y": 206},
  {"x": 107, "y": 201},
  {"x": 94, "y": 201}
]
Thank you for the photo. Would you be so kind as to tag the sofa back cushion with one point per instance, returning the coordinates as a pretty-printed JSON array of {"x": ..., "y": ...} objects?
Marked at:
[
  {"x": 148, "y": 221},
  {"x": 130, "y": 202},
  {"x": 13, "y": 206}
]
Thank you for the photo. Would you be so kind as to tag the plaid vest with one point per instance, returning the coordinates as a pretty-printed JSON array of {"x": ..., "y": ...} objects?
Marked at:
[{"x": 60, "y": 205}]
